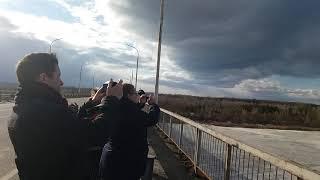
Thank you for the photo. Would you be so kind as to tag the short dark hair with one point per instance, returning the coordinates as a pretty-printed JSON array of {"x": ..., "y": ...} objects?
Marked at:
[
  {"x": 140, "y": 92},
  {"x": 32, "y": 65},
  {"x": 127, "y": 89}
]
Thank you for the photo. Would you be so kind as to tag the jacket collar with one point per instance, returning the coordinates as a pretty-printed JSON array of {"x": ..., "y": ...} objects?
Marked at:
[{"x": 37, "y": 90}]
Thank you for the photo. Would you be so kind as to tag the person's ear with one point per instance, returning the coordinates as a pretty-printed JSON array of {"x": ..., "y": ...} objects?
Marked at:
[{"x": 42, "y": 77}]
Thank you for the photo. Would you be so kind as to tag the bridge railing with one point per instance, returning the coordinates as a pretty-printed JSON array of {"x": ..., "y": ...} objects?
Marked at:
[
  {"x": 6, "y": 94},
  {"x": 217, "y": 156}
]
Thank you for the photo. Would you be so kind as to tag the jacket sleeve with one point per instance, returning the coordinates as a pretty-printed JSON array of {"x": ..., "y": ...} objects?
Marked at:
[
  {"x": 83, "y": 110},
  {"x": 107, "y": 121},
  {"x": 75, "y": 138},
  {"x": 151, "y": 118}
]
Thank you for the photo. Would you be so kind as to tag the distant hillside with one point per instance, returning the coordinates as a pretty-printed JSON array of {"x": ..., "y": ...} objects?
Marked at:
[
  {"x": 8, "y": 85},
  {"x": 239, "y": 112},
  {"x": 8, "y": 90},
  {"x": 12, "y": 86}
]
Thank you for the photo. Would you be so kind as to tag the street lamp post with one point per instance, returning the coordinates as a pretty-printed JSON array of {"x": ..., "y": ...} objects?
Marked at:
[
  {"x": 52, "y": 43},
  {"x": 79, "y": 88},
  {"x": 159, "y": 51},
  {"x": 93, "y": 83},
  {"x": 137, "y": 63},
  {"x": 138, "y": 56}
]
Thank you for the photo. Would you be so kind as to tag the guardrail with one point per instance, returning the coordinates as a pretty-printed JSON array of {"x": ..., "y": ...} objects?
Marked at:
[
  {"x": 76, "y": 95},
  {"x": 8, "y": 94},
  {"x": 217, "y": 156}
]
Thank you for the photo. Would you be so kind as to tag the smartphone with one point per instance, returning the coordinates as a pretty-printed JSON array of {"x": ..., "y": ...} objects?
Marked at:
[{"x": 105, "y": 85}]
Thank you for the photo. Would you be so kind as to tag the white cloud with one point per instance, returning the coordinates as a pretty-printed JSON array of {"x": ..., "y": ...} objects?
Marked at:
[
  {"x": 268, "y": 86},
  {"x": 304, "y": 93},
  {"x": 259, "y": 85},
  {"x": 109, "y": 70},
  {"x": 170, "y": 71},
  {"x": 100, "y": 26},
  {"x": 46, "y": 29},
  {"x": 87, "y": 33}
]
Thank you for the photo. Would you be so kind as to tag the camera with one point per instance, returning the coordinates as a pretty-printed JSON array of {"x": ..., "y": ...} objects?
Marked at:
[
  {"x": 105, "y": 85},
  {"x": 145, "y": 96},
  {"x": 141, "y": 92}
]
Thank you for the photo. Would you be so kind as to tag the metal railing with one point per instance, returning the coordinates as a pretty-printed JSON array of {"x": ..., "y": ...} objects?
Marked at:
[
  {"x": 7, "y": 94},
  {"x": 217, "y": 156}
]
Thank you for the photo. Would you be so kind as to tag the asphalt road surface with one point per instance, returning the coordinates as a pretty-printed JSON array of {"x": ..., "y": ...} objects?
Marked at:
[{"x": 7, "y": 166}]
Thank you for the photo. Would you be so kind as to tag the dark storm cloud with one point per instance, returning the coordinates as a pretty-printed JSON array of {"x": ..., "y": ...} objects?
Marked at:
[{"x": 235, "y": 39}]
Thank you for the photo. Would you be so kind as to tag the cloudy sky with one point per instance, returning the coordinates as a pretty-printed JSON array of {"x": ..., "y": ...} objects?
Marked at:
[{"x": 263, "y": 49}]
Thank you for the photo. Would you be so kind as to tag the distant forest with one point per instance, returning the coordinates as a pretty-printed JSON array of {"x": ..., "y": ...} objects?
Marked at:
[
  {"x": 225, "y": 111},
  {"x": 244, "y": 112}
]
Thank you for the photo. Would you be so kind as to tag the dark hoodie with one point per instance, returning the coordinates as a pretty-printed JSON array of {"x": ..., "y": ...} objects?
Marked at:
[
  {"x": 127, "y": 147},
  {"x": 49, "y": 141}
]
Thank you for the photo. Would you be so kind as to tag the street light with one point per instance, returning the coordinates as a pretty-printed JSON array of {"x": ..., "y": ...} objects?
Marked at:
[
  {"x": 137, "y": 63},
  {"x": 93, "y": 81},
  {"x": 80, "y": 75},
  {"x": 52, "y": 43},
  {"x": 159, "y": 51},
  {"x": 138, "y": 56}
]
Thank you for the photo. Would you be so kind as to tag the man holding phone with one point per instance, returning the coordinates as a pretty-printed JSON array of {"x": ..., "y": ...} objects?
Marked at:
[
  {"x": 49, "y": 141},
  {"x": 97, "y": 111}
]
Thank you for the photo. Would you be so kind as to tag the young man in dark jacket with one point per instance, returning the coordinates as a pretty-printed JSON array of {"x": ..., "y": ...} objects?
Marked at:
[
  {"x": 97, "y": 116},
  {"x": 49, "y": 140},
  {"x": 127, "y": 148}
]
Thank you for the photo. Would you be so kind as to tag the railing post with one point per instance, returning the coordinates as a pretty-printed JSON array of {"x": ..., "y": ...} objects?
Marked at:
[
  {"x": 163, "y": 123},
  {"x": 181, "y": 134},
  {"x": 197, "y": 150},
  {"x": 160, "y": 118},
  {"x": 170, "y": 130},
  {"x": 227, "y": 163}
]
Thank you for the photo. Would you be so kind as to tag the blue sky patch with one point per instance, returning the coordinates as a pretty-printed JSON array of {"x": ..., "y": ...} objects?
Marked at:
[{"x": 49, "y": 9}]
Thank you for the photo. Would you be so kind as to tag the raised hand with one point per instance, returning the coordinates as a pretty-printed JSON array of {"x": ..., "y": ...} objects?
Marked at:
[
  {"x": 142, "y": 99},
  {"x": 151, "y": 100},
  {"x": 74, "y": 107},
  {"x": 99, "y": 95},
  {"x": 115, "y": 90}
]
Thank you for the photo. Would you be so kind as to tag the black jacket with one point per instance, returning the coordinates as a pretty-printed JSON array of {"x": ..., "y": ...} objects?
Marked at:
[
  {"x": 92, "y": 113},
  {"x": 97, "y": 117},
  {"x": 127, "y": 148},
  {"x": 49, "y": 140}
]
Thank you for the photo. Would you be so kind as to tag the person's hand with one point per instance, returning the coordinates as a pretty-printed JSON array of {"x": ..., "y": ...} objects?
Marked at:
[
  {"x": 115, "y": 90},
  {"x": 143, "y": 99},
  {"x": 151, "y": 100},
  {"x": 99, "y": 95},
  {"x": 74, "y": 107}
]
